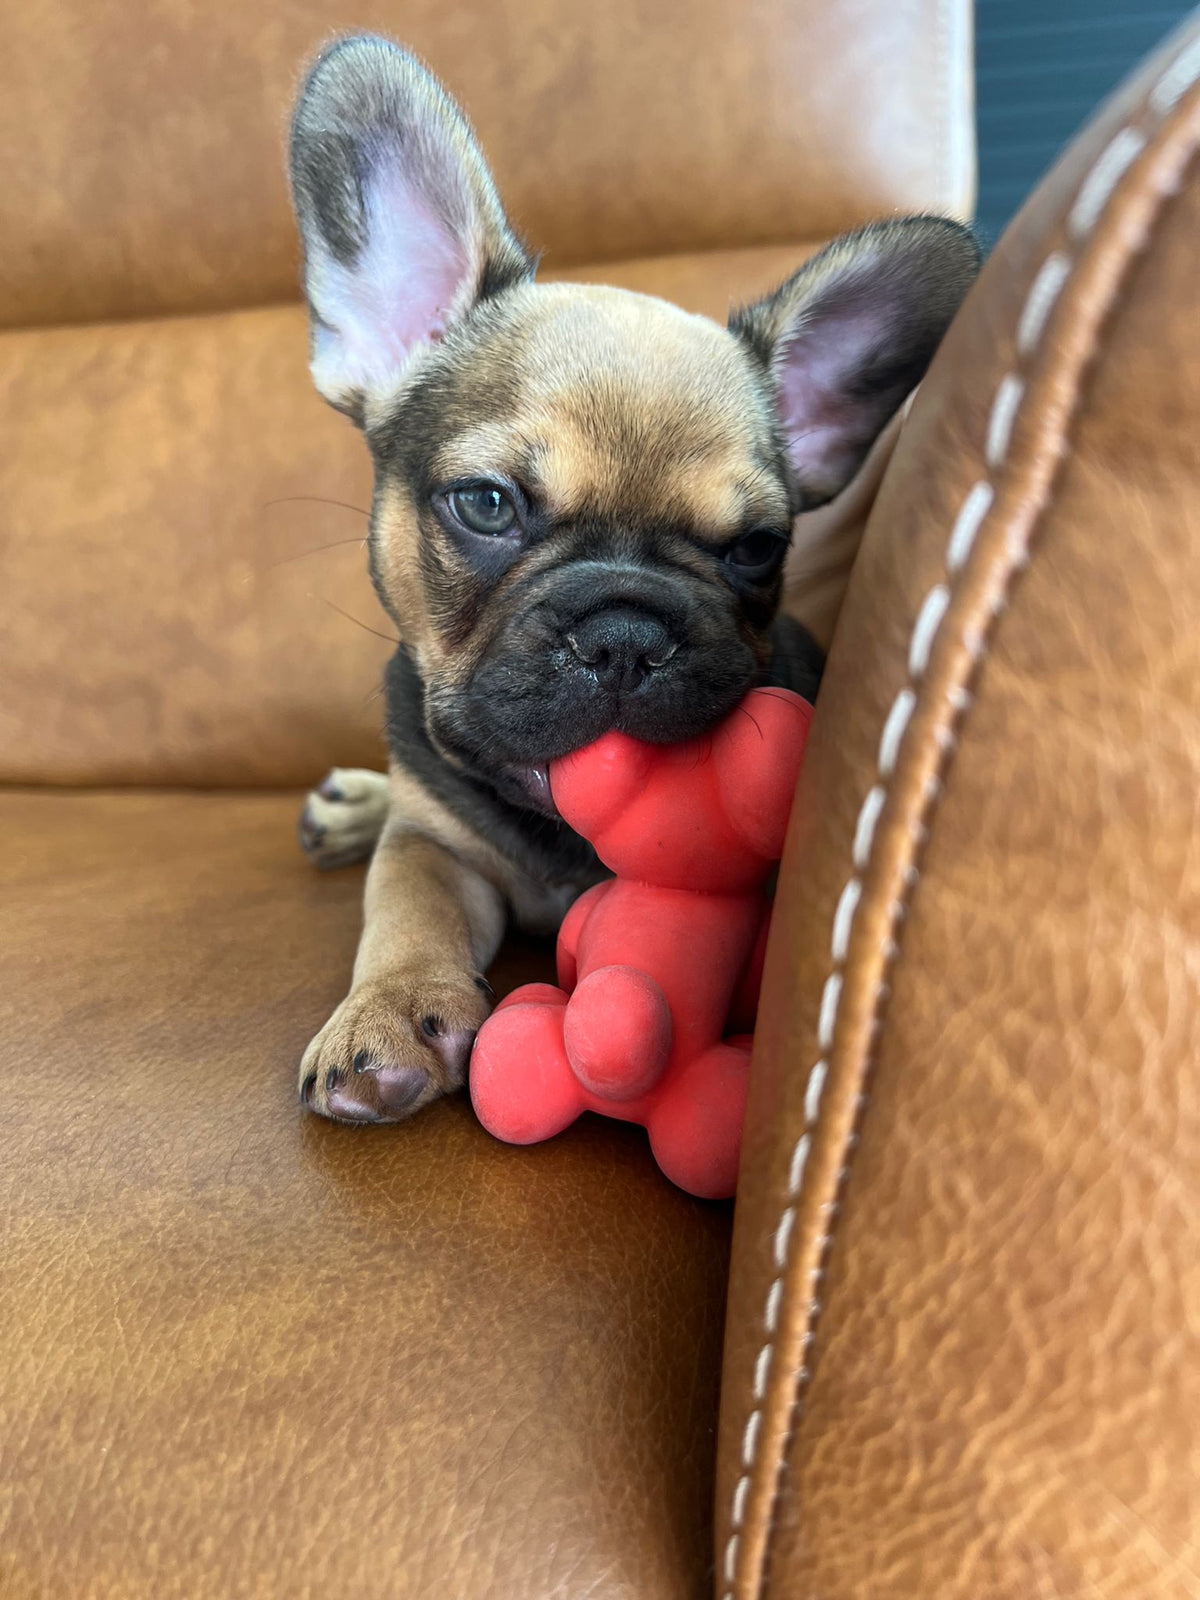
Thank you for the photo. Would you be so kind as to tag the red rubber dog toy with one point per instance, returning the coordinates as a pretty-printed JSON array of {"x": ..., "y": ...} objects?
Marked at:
[{"x": 660, "y": 965}]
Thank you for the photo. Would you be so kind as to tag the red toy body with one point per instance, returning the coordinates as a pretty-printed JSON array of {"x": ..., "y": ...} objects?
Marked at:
[{"x": 660, "y": 965}]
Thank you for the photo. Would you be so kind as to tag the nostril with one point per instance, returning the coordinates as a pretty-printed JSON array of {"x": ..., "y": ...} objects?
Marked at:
[{"x": 621, "y": 645}]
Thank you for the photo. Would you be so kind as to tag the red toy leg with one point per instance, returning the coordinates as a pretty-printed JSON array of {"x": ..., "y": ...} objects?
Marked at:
[
  {"x": 522, "y": 1086},
  {"x": 696, "y": 1128},
  {"x": 618, "y": 1032}
]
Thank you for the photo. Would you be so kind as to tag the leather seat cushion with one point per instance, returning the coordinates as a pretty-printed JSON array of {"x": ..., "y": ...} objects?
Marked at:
[{"x": 249, "y": 1352}]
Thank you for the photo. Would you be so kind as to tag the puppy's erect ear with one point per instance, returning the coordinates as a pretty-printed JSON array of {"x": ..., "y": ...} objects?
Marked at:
[
  {"x": 848, "y": 336},
  {"x": 401, "y": 225}
]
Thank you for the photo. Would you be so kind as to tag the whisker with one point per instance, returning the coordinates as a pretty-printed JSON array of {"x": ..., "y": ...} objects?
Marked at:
[
  {"x": 743, "y": 712},
  {"x": 358, "y": 621},
  {"x": 300, "y": 554},
  {"x": 316, "y": 500}
]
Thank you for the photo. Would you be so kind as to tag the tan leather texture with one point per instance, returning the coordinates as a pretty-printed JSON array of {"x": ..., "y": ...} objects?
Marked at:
[
  {"x": 250, "y": 1353},
  {"x": 963, "y": 1355},
  {"x": 181, "y": 605},
  {"x": 143, "y": 142}
]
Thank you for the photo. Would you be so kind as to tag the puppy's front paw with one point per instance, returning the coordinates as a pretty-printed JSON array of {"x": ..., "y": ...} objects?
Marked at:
[
  {"x": 342, "y": 818},
  {"x": 393, "y": 1046}
]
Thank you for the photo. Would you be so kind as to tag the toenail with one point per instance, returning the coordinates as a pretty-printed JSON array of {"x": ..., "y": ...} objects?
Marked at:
[
  {"x": 430, "y": 1027},
  {"x": 307, "y": 1087},
  {"x": 328, "y": 790},
  {"x": 362, "y": 1061},
  {"x": 482, "y": 983},
  {"x": 332, "y": 1078}
]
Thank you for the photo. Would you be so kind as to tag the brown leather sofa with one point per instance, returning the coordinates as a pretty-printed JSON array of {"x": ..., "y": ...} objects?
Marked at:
[{"x": 248, "y": 1353}]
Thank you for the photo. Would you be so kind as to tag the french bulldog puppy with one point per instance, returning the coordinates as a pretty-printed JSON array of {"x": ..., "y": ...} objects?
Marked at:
[{"x": 583, "y": 500}]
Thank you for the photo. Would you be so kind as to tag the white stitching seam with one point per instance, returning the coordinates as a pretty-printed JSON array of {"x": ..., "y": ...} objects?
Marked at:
[{"x": 1091, "y": 198}]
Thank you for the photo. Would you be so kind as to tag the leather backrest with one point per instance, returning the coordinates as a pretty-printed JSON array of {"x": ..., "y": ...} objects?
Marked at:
[
  {"x": 142, "y": 143},
  {"x": 963, "y": 1353}
]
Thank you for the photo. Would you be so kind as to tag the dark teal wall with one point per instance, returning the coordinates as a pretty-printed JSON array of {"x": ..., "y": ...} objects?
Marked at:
[{"x": 1042, "y": 66}]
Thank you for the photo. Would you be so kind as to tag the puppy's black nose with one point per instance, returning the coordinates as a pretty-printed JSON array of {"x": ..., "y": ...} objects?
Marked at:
[{"x": 621, "y": 646}]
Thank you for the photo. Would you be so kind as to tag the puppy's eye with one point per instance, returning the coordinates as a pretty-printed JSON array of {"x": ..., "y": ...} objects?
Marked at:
[
  {"x": 484, "y": 508},
  {"x": 757, "y": 555}
]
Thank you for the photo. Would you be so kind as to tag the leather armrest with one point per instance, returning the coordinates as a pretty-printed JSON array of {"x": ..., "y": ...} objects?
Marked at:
[{"x": 961, "y": 1357}]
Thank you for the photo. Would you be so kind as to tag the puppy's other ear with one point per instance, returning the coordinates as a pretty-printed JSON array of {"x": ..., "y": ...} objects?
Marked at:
[
  {"x": 848, "y": 336},
  {"x": 401, "y": 225}
]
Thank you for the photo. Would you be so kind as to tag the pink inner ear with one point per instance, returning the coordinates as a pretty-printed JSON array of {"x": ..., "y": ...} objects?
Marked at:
[
  {"x": 409, "y": 275},
  {"x": 413, "y": 264},
  {"x": 814, "y": 374}
]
